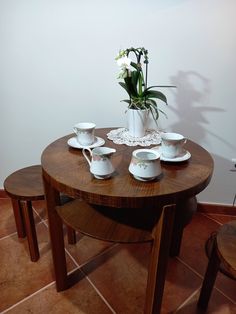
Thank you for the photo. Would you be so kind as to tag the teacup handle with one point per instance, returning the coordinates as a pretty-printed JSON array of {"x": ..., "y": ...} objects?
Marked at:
[
  {"x": 86, "y": 156},
  {"x": 75, "y": 130}
]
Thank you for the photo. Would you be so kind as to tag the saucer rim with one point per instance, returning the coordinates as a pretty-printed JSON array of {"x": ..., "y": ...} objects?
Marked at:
[
  {"x": 185, "y": 157},
  {"x": 99, "y": 142}
]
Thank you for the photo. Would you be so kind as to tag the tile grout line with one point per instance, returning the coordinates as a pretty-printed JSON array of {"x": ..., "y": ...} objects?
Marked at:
[
  {"x": 100, "y": 294},
  {"x": 227, "y": 297},
  {"x": 28, "y": 297},
  {"x": 87, "y": 278},
  {"x": 199, "y": 275},
  {"x": 80, "y": 266},
  {"x": 189, "y": 267},
  {"x": 213, "y": 219},
  {"x": 186, "y": 301},
  {"x": 15, "y": 233},
  {"x": 9, "y": 235},
  {"x": 37, "y": 214}
]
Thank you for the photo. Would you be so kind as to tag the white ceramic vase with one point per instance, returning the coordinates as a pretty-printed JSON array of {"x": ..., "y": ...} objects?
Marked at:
[{"x": 137, "y": 122}]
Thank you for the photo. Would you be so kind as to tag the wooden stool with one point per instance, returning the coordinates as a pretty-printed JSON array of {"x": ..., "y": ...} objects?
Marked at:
[
  {"x": 222, "y": 257},
  {"x": 24, "y": 186}
]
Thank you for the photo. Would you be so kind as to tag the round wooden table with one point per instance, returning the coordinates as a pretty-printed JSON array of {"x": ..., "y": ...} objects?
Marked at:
[{"x": 138, "y": 211}]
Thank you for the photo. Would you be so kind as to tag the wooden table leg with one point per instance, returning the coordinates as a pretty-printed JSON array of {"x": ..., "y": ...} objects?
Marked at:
[
  {"x": 159, "y": 260},
  {"x": 20, "y": 228},
  {"x": 57, "y": 238},
  {"x": 209, "y": 278},
  {"x": 184, "y": 212},
  {"x": 29, "y": 223},
  {"x": 71, "y": 235}
]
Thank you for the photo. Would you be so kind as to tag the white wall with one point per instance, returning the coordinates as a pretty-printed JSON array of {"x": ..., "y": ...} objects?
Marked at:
[{"x": 57, "y": 68}]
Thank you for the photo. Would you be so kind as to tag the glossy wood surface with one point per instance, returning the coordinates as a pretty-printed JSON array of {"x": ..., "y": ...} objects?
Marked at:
[
  {"x": 106, "y": 223},
  {"x": 68, "y": 171},
  {"x": 226, "y": 245},
  {"x": 25, "y": 184},
  {"x": 129, "y": 210}
]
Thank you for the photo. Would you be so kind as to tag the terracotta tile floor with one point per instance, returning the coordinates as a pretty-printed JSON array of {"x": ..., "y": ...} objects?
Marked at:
[{"x": 113, "y": 275}]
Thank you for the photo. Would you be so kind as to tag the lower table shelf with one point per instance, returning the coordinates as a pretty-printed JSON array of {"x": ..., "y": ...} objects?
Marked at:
[{"x": 108, "y": 224}]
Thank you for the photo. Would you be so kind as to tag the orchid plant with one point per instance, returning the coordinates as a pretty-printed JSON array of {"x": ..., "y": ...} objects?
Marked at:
[{"x": 135, "y": 82}]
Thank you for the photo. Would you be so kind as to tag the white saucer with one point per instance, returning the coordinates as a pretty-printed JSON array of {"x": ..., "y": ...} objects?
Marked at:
[
  {"x": 72, "y": 142},
  {"x": 183, "y": 157}
]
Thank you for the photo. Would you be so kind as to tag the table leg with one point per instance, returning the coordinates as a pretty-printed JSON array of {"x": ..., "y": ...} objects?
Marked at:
[
  {"x": 29, "y": 223},
  {"x": 159, "y": 260},
  {"x": 184, "y": 212},
  {"x": 56, "y": 234},
  {"x": 20, "y": 228},
  {"x": 210, "y": 277}
]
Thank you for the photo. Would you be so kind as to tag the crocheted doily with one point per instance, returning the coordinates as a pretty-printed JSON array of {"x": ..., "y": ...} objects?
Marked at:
[{"x": 122, "y": 136}]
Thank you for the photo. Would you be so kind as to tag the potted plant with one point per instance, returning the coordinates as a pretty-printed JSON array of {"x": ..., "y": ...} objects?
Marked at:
[{"x": 142, "y": 99}]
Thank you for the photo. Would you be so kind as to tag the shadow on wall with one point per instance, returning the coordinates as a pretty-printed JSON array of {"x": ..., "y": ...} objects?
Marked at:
[{"x": 191, "y": 98}]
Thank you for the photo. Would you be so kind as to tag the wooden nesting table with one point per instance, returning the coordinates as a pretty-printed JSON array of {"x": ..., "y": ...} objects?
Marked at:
[{"x": 121, "y": 209}]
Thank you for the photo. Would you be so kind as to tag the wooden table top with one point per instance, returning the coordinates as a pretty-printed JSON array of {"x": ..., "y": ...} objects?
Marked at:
[{"x": 67, "y": 171}]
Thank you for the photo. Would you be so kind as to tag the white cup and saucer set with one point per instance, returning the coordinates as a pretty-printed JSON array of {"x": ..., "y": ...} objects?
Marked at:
[
  {"x": 85, "y": 136},
  {"x": 172, "y": 147}
]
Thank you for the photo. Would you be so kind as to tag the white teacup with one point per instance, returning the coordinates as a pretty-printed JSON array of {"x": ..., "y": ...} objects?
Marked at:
[
  {"x": 85, "y": 133},
  {"x": 172, "y": 144},
  {"x": 145, "y": 164}
]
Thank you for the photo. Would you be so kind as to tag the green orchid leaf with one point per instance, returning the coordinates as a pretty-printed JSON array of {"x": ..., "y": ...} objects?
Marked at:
[
  {"x": 155, "y": 113},
  {"x": 125, "y": 87},
  {"x": 155, "y": 94},
  {"x": 166, "y": 86},
  {"x": 130, "y": 86},
  {"x": 134, "y": 65},
  {"x": 163, "y": 113},
  {"x": 134, "y": 78},
  {"x": 126, "y": 100},
  {"x": 152, "y": 103}
]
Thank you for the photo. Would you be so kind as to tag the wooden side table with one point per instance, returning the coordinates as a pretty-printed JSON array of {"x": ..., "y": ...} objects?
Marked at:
[{"x": 126, "y": 210}]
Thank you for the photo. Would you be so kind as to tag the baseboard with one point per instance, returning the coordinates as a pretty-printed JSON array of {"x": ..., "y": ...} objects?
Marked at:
[
  {"x": 212, "y": 208},
  {"x": 208, "y": 208}
]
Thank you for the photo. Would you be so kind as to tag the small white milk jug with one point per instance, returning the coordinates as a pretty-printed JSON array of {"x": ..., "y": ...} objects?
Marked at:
[{"x": 100, "y": 161}]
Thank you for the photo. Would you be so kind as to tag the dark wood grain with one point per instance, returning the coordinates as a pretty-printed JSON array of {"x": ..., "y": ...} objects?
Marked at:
[
  {"x": 105, "y": 223},
  {"x": 226, "y": 245},
  {"x": 25, "y": 184},
  {"x": 120, "y": 209},
  {"x": 68, "y": 171}
]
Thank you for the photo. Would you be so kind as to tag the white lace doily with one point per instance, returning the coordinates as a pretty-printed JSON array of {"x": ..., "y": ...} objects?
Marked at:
[{"x": 122, "y": 136}]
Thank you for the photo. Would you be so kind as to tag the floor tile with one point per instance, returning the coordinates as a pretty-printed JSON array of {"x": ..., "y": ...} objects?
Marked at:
[
  {"x": 86, "y": 248},
  {"x": 193, "y": 251},
  {"x": 119, "y": 272},
  {"x": 180, "y": 283},
  {"x": 19, "y": 277},
  {"x": 193, "y": 242},
  {"x": 222, "y": 219},
  {"x": 40, "y": 208},
  {"x": 121, "y": 276},
  {"x": 218, "y": 304},
  {"x": 7, "y": 221},
  {"x": 79, "y": 299}
]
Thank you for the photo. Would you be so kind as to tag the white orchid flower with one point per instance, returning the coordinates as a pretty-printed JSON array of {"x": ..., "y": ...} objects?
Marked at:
[{"x": 124, "y": 63}]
